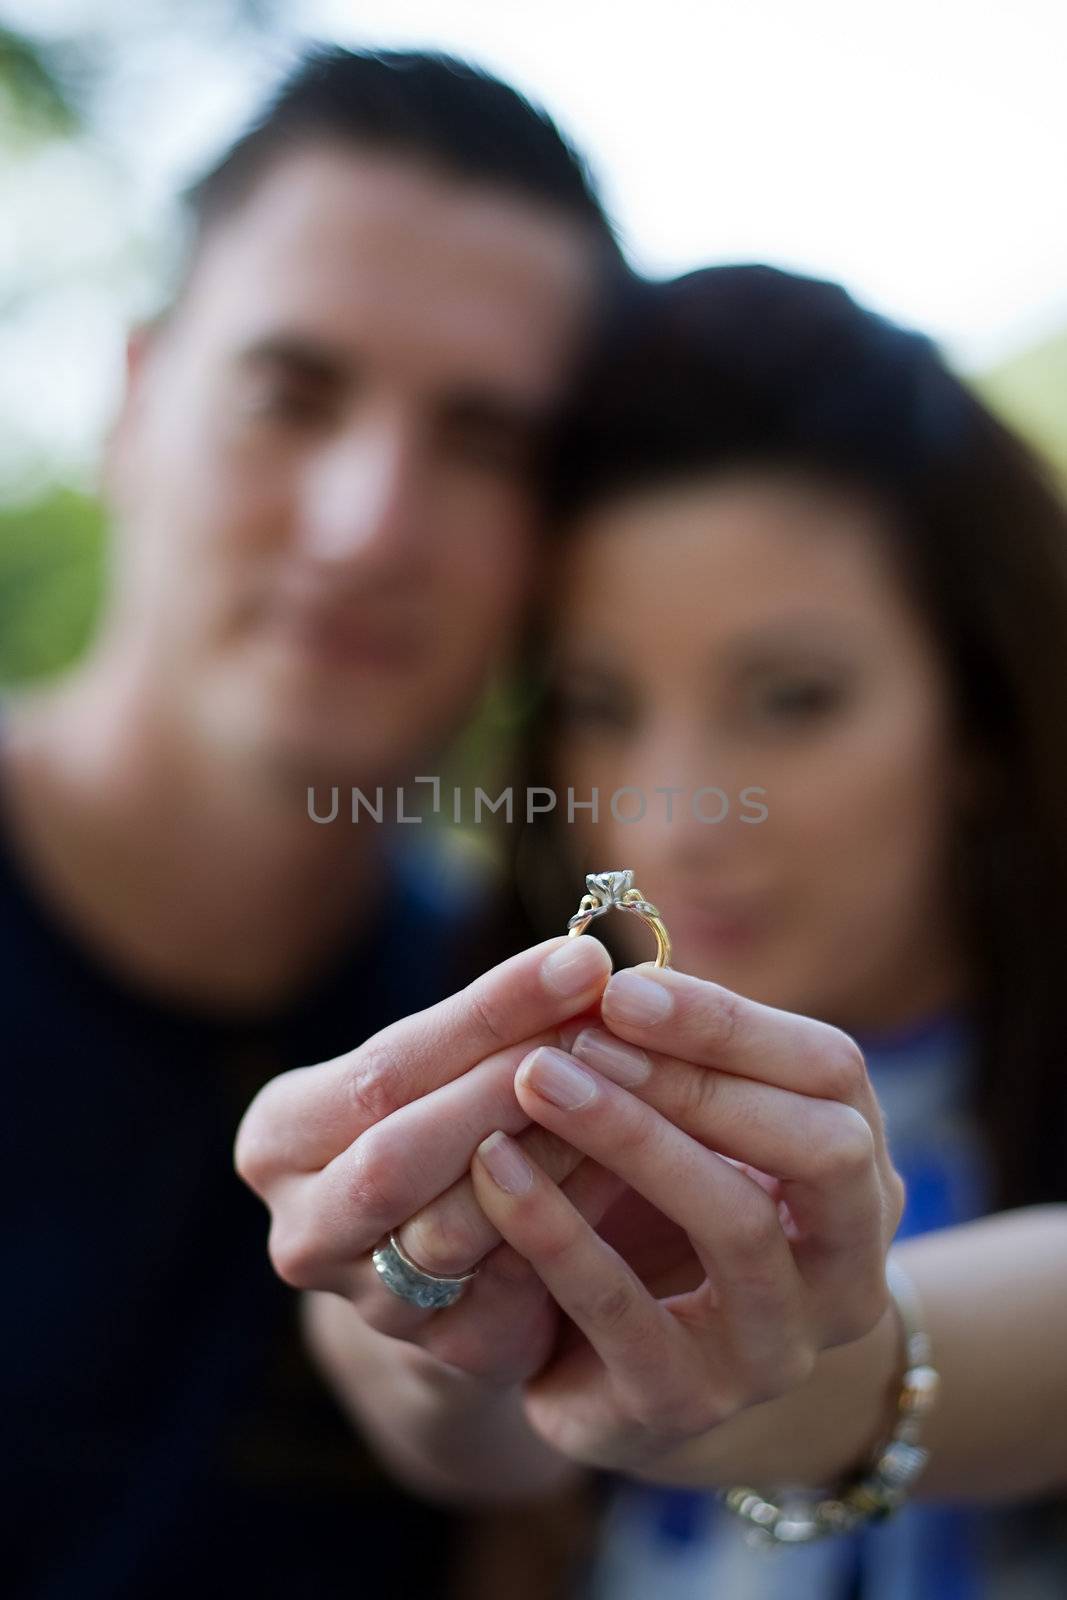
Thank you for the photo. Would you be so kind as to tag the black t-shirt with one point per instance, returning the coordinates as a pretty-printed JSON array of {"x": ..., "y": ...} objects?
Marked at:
[{"x": 164, "y": 1431}]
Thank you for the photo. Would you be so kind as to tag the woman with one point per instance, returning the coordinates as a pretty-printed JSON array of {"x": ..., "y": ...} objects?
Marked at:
[
  {"x": 808, "y": 575},
  {"x": 805, "y": 570}
]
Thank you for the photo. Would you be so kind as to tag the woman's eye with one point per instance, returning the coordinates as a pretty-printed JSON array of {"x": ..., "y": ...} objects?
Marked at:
[
  {"x": 592, "y": 708},
  {"x": 797, "y": 700}
]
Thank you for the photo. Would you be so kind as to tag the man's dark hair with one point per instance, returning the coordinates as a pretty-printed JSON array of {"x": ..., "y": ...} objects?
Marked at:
[{"x": 440, "y": 111}]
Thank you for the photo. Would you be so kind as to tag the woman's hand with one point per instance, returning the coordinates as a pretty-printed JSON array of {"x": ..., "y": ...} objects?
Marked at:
[
  {"x": 714, "y": 1283},
  {"x": 346, "y": 1151},
  {"x": 382, "y": 1139}
]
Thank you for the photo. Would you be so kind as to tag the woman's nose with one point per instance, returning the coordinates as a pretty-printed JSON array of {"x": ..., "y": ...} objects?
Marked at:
[{"x": 682, "y": 793}]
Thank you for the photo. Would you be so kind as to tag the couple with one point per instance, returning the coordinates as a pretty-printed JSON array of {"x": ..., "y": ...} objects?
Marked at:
[{"x": 787, "y": 550}]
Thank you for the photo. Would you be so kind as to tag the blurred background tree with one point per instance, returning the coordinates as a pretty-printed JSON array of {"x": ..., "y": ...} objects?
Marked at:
[
  {"x": 79, "y": 256},
  {"x": 51, "y": 541}
]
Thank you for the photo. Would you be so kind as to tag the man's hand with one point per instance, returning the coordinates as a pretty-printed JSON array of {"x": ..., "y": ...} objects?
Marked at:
[{"x": 344, "y": 1152}]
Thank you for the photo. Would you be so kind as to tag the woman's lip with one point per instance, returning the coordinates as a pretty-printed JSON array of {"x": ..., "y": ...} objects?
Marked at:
[{"x": 718, "y": 924}]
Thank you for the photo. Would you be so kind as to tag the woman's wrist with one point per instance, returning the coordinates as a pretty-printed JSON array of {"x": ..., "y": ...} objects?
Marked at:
[
  {"x": 885, "y": 1365},
  {"x": 887, "y": 1476},
  {"x": 816, "y": 1435}
]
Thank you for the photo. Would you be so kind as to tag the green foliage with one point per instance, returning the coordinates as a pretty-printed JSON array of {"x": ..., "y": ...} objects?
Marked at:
[
  {"x": 51, "y": 582},
  {"x": 1030, "y": 391},
  {"x": 34, "y": 104}
]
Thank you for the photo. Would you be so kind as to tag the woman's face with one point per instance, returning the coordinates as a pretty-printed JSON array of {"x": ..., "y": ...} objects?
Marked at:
[{"x": 749, "y": 635}]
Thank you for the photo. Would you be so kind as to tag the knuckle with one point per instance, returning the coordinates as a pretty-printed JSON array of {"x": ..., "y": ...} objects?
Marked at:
[
  {"x": 898, "y": 1199},
  {"x": 610, "y": 1307},
  {"x": 376, "y": 1185},
  {"x": 849, "y": 1149},
  {"x": 489, "y": 1015},
  {"x": 727, "y": 1015},
  {"x": 447, "y": 1238},
  {"x": 792, "y": 1368},
  {"x": 370, "y": 1086},
  {"x": 296, "y": 1255},
  {"x": 699, "y": 1091},
  {"x": 843, "y": 1070},
  {"x": 754, "y": 1224},
  {"x": 799, "y": 1364},
  {"x": 253, "y": 1150},
  {"x": 549, "y": 1241},
  {"x": 632, "y": 1130}
]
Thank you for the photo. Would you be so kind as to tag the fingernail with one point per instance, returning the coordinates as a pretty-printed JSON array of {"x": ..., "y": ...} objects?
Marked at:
[
  {"x": 576, "y": 966},
  {"x": 557, "y": 1078},
  {"x": 631, "y": 997},
  {"x": 622, "y": 1063},
  {"x": 505, "y": 1163}
]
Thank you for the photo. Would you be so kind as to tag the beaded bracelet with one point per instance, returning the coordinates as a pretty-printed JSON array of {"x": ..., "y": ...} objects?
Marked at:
[{"x": 876, "y": 1491}]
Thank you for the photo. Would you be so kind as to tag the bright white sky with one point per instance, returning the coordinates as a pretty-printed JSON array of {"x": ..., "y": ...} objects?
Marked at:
[{"x": 914, "y": 149}]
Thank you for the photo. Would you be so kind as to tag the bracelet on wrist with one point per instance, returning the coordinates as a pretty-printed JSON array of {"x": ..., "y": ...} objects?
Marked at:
[{"x": 876, "y": 1490}]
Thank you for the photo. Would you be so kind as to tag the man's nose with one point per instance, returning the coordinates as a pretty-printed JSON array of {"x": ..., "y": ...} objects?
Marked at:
[{"x": 362, "y": 496}]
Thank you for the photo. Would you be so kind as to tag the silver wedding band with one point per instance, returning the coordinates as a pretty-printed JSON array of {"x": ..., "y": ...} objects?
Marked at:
[{"x": 412, "y": 1283}]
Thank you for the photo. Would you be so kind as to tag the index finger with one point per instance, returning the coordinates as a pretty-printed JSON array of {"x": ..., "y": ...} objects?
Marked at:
[
  {"x": 302, "y": 1119},
  {"x": 675, "y": 1014}
]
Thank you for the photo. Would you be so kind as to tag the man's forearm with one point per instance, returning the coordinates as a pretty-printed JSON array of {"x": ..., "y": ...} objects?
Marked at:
[
  {"x": 443, "y": 1433},
  {"x": 994, "y": 1295}
]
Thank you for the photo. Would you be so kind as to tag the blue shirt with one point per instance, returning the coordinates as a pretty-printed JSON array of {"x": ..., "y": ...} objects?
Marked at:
[{"x": 683, "y": 1545}]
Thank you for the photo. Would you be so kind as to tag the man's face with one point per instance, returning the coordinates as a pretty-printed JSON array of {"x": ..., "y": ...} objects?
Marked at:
[{"x": 324, "y": 468}]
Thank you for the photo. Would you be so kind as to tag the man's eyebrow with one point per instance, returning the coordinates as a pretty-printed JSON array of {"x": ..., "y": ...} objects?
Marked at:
[{"x": 300, "y": 354}]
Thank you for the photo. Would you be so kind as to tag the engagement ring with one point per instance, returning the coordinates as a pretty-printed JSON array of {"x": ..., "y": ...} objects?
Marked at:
[{"x": 614, "y": 891}]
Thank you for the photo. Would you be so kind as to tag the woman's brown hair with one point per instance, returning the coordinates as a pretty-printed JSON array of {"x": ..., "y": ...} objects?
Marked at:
[{"x": 749, "y": 365}]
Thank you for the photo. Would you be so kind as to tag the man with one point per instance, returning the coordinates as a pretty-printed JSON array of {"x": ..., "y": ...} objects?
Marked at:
[{"x": 323, "y": 479}]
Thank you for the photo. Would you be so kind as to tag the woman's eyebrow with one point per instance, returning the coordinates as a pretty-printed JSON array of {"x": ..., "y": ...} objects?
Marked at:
[{"x": 817, "y": 633}]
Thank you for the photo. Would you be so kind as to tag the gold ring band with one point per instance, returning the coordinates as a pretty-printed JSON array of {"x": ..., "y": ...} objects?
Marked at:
[{"x": 608, "y": 891}]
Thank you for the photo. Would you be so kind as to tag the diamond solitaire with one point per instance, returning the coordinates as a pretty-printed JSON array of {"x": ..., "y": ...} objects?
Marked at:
[{"x": 614, "y": 891}]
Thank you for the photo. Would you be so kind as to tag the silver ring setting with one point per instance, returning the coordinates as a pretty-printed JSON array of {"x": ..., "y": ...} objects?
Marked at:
[{"x": 412, "y": 1283}]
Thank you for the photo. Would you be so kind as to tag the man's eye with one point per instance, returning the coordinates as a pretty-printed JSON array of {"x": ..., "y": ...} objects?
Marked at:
[
  {"x": 490, "y": 448},
  {"x": 288, "y": 404}
]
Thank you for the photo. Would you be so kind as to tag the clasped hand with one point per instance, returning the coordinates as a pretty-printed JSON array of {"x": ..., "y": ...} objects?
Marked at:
[{"x": 676, "y": 1197}]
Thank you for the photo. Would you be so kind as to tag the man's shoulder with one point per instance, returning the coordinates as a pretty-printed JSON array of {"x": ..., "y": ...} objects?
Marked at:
[{"x": 435, "y": 927}]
